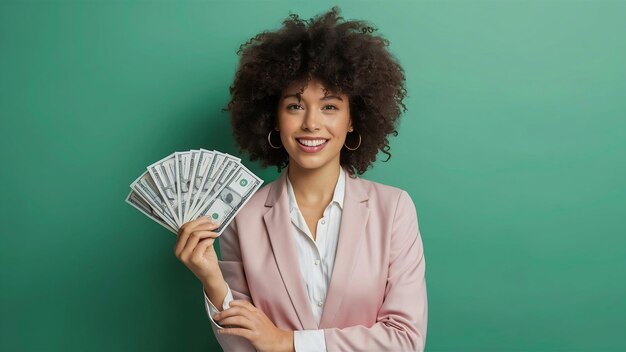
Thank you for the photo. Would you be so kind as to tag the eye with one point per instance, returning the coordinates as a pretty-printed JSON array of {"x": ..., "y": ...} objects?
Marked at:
[{"x": 291, "y": 105}]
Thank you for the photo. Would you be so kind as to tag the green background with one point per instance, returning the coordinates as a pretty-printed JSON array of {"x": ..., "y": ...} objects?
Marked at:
[{"x": 512, "y": 148}]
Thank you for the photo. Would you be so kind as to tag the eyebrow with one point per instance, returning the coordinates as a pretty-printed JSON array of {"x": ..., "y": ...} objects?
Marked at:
[{"x": 327, "y": 97}]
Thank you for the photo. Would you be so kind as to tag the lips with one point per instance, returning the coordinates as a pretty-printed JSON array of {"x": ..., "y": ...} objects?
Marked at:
[
  {"x": 311, "y": 142},
  {"x": 309, "y": 145}
]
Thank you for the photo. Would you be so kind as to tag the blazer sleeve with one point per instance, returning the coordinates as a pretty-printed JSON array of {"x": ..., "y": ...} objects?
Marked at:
[
  {"x": 402, "y": 318},
  {"x": 231, "y": 266}
]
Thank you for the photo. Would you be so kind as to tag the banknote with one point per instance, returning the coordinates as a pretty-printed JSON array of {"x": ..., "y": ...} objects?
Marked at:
[
  {"x": 204, "y": 165},
  {"x": 227, "y": 172},
  {"x": 184, "y": 160},
  {"x": 186, "y": 185},
  {"x": 163, "y": 173},
  {"x": 196, "y": 156},
  {"x": 223, "y": 167},
  {"x": 138, "y": 202},
  {"x": 231, "y": 198},
  {"x": 145, "y": 188},
  {"x": 211, "y": 169}
]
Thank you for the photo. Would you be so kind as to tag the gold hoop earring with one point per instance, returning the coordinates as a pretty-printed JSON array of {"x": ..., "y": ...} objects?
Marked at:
[
  {"x": 270, "y": 142},
  {"x": 357, "y": 147}
]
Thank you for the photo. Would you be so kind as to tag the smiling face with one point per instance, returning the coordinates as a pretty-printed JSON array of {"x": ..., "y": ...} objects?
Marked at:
[{"x": 313, "y": 129}]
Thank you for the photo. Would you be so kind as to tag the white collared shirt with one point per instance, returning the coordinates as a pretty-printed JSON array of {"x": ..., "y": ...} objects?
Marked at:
[{"x": 316, "y": 259}]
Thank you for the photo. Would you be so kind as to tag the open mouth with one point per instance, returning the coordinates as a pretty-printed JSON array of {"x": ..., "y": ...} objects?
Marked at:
[
  {"x": 311, "y": 145},
  {"x": 312, "y": 142}
]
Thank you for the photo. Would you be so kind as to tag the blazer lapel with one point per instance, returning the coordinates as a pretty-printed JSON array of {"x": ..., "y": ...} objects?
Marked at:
[
  {"x": 278, "y": 224},
  {"x": 353, "y": 220}
]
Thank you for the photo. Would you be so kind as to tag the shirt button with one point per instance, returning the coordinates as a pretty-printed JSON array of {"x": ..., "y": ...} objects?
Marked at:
[
  {"x": 323, "y": 221},
  {"x": 317, "y": 262},
  {"x": 319, "y": 304}
]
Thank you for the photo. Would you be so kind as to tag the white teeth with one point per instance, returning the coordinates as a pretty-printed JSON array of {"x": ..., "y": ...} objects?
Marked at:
[{"x": 312, "y": 142}]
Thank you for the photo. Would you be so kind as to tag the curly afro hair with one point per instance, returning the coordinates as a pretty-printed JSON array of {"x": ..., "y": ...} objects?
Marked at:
[{"x": 345, "y": 57}]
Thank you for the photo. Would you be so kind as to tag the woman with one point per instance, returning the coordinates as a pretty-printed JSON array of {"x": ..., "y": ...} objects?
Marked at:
[{"x": 319, "y": 259}]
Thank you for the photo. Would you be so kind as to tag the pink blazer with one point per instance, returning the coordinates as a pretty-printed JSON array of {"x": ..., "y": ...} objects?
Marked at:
[{"x": 376, "y": 299}]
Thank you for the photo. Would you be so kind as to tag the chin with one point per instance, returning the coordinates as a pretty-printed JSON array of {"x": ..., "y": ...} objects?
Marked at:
[
  {"x": 309, "y": 162},
  {"x": 312, "y": 161}
]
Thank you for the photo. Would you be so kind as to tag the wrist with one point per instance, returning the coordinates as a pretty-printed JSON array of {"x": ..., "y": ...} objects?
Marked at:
[
  {"x": 288, "y": 342},
  {"x": 212, "y": 282}
]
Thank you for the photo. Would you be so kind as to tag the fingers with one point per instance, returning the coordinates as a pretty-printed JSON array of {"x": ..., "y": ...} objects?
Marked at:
[
  {"x": 199, "y": 233},
  {"x": 254, "y": 312},
  {"x": 185, "y": 230},
  {"x": 198, "y": 252},
  {"x": 188, "y": 228},
  {"x": 242, "y": 303},
  {"x": 237, "y": 321},
  {"x": 245, "y": 333},
  {"x": 235, "y": 316}
]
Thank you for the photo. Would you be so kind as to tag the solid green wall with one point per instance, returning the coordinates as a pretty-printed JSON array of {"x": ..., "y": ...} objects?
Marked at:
[{"x": 513, "y": 150}]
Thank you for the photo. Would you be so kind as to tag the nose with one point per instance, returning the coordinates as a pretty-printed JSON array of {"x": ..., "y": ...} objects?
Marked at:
[{"x": 311, "y": 120}]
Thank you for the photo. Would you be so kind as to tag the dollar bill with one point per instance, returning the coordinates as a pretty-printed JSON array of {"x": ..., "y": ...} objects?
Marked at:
[
  {"x": 202, "y": 165},
  {"x": 184, "y": 161},
  {"x": 140, "y": 204},
  {"x": 145, "y": 187},
  {"x": 186, "y": 185},
  {"x": 231, "y": 198},
  {"x": 210, "y": 171},
  {"x": 163, "y": 173},
  {"x": 222, "y": 167},
  {"x": 219, "y": 180}
]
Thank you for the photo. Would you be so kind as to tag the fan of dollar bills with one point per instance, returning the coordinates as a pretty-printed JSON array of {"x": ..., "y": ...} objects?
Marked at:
[{"x": 186, "y": 185}]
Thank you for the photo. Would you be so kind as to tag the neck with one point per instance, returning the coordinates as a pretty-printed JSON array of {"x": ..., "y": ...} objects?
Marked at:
[{"x": 313, "y": 187}]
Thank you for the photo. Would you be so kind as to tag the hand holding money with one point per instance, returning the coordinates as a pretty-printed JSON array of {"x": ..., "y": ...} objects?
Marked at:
[
  {"x": 184, "y": 186},
  {"x": 194, "y": 248}
]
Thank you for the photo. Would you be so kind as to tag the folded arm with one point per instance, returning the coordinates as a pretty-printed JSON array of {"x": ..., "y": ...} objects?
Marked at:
[
  {"x": 402, "y": 318},
  {"x": 232, "y": 270},
  {"x": 233, "y": 273}
]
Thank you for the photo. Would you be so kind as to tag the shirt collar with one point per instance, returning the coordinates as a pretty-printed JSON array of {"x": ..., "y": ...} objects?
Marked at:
[{"x": 338, "y": 194}]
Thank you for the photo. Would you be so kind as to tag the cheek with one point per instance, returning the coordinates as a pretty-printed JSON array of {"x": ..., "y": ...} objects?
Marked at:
[
  {"x": 340, "y": 126},
  {"x": 288, "y": 126},
  {"x": 284, "y": 121}
]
